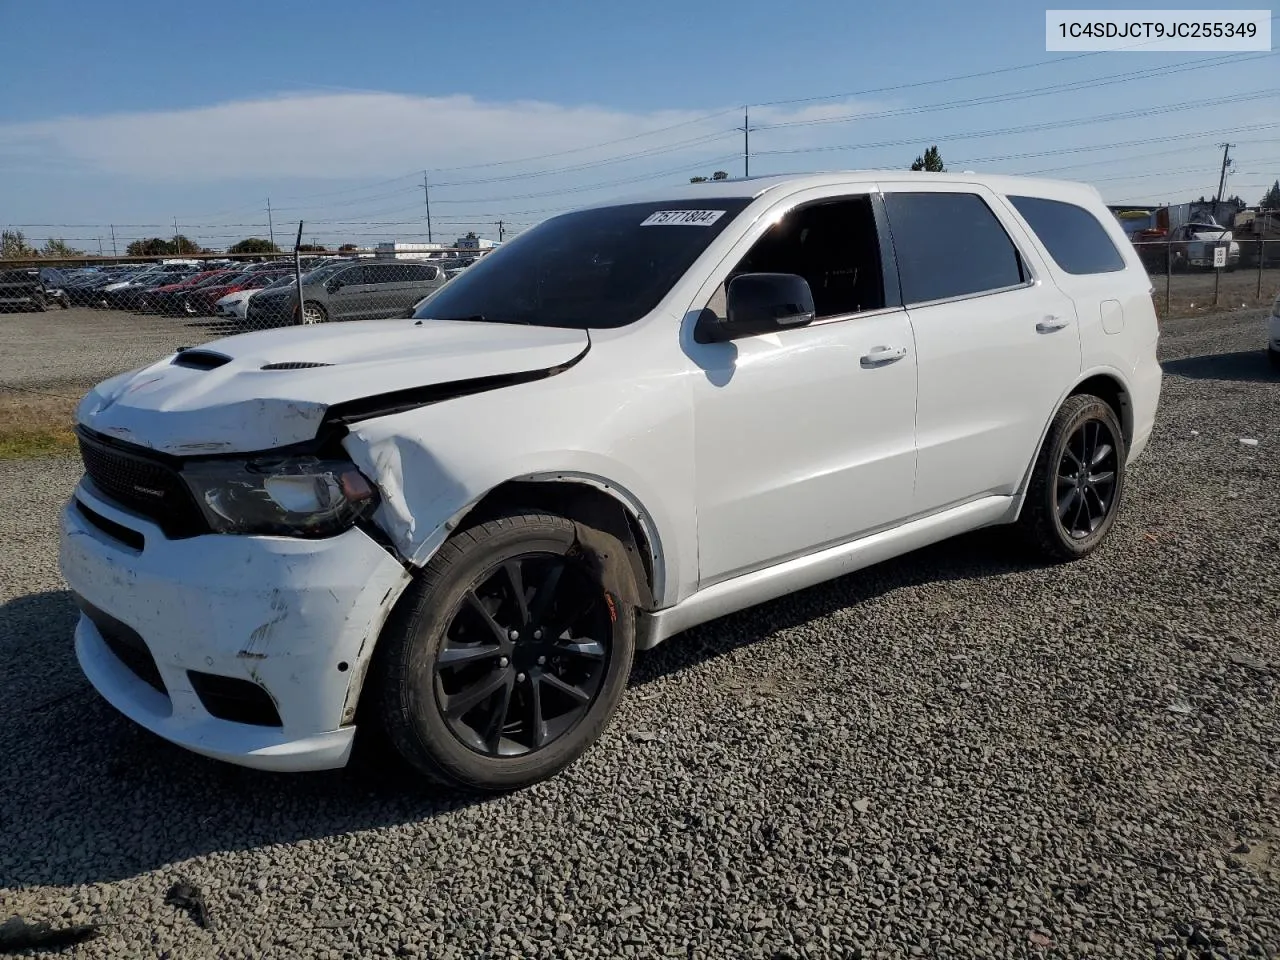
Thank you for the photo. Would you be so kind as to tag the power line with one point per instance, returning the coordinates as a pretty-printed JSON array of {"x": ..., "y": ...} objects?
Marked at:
[
  {"x": 1037, "y": 127},
  {"x": 1069, "y": 86}
]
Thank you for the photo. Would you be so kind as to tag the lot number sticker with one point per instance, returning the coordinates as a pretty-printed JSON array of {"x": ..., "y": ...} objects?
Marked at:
[
  {"x": 682, "y": 218},
  {"x": 1219, "y": 257}
]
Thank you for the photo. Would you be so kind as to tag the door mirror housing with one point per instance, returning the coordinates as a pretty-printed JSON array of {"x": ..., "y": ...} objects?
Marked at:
[{"x": 762, "y": 303}]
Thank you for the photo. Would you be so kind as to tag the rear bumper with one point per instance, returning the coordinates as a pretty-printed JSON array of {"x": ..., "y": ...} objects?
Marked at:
[{"x": 1145, "y": 385}]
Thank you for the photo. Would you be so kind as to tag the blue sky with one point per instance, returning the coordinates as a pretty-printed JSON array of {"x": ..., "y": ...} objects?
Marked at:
[{"x": 138, "y": 113}]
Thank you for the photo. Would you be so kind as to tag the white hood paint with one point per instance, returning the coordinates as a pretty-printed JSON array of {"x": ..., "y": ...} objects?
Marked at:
[{"x": 239, "y": 407}]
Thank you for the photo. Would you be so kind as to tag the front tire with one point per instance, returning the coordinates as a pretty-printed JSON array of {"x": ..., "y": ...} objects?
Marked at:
[
  {"x": 313, "y": 313},
  {"x": 506, "y": 658},
  {"x": 1077, "y": 481},
  {"x": 1274, "y": 356}
]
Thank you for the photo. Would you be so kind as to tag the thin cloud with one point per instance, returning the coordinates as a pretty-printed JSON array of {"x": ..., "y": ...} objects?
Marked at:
[{"x": 353, "y": 135}]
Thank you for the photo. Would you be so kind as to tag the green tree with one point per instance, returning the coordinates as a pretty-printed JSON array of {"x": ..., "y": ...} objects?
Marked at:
[
  {"x": 1271, "y": 199},
  {"x": 697, "y": 179},
  {"x": 13, "y": 245},
  {"x": 930, "y": 162},
  {"x": 59, "y": 249},
  {"x": 253, "y": 245},
  {"x": 347, "y": 248},
  {"x": 152, "y": 247},
  {"x": 720, "y": 175},
  {"x": 313, "y": 248},
  {"x": 181, "y": 244}
]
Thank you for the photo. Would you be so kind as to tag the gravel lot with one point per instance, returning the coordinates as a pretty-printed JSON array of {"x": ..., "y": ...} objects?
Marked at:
[
  {"x": 954, "y": 754},
  {"x": 81, "y": 346}
]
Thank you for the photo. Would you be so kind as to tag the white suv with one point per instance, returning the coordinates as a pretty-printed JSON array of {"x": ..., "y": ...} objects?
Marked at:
[{"x": 457, "y": 528}]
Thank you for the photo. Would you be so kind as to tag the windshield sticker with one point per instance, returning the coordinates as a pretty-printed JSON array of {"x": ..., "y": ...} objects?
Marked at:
[{"x": 682, "y": 218}]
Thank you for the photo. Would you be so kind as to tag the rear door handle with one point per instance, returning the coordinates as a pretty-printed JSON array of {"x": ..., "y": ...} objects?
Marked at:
[
  {"x": 879, "y": 356},
  {"x": 1050, "y": 324}
]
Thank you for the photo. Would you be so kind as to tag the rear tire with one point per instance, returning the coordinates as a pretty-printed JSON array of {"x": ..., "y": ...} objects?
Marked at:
[
  {"x": 1077, "y": 481},
  {"x": 554, "y": 656}
]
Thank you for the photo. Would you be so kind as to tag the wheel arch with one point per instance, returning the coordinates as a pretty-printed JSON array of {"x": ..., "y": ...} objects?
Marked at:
[
  {"x": 1107, "y": 384},
  {"x": 586, "y": 499}
]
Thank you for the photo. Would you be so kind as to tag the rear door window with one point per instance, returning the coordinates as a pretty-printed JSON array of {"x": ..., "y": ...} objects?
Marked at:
[
  {"x": 385, "y": 273},
  {"x": 1075, "y": 239},
  {"x": 950, "y": 245}
]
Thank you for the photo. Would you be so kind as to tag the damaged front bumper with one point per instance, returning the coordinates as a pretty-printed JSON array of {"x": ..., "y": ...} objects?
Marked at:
[{"x": 247, "y": 649}]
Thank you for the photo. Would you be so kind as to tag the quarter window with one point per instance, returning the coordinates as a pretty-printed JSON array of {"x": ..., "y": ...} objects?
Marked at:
[
  {"x": 1073, "y": 236},
  {"x": 950, "y": 245}
]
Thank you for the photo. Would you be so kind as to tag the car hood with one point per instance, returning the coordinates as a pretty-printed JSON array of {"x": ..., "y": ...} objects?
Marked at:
[{"x": 220, "y": 399}]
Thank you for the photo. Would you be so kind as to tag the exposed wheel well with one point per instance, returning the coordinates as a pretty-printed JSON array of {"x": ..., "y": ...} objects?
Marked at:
[
  {"x": 1110, "y": 391},
  {"x": 581, "y": 502}
]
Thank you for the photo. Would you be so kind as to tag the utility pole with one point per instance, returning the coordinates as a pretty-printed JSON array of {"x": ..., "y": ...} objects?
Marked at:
[
  {"x": 271, "y": 226},
  {"x": 501, "y": 225},
  {"x": 746, "y": 142},
  {"x": 175, "y": 236},
  {"x": 114, "y": 251},
  {"x": 426, "y": 195},
  {"x": 99, "y": 246},
  {"x": 1222, "y": 178}
]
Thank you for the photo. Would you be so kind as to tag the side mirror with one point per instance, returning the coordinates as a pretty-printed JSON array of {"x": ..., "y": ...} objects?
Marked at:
[
  {"x": 762, "y": 303},
  {"x": 333, "y": 286}
]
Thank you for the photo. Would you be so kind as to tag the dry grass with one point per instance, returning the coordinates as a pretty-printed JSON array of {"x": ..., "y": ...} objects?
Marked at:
[{"x": 34, "y": 425}]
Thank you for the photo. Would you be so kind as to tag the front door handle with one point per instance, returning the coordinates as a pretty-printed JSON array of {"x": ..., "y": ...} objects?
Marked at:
[
  {"x": 1050, "y": 324},
  {"x": 879, "y": 356}
]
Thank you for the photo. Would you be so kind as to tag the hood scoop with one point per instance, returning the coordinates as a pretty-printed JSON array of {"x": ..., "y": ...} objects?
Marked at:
[
  {"x": 200, "y": 359},
  {"x": 294, "y": 365}
]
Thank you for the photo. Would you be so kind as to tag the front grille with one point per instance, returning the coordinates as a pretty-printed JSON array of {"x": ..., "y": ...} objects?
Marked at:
[
  {"x": 239, "y": 701},
  {"x": 141, "y": 482},
  {"x": 125, "y": 642}
]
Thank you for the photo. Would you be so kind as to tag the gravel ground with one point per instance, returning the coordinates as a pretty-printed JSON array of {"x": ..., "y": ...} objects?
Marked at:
[
  {"x": 954, "y": 754},
  {"x": 83, "y": 345}
]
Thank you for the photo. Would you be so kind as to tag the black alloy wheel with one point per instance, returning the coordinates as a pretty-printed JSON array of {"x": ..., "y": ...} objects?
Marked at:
[
  {"x": 524, "y": 655},
  {"x": 507, "y": 654},
  {"x": 1077, "y": 481},
  {"x": 1087, "y": 479}
]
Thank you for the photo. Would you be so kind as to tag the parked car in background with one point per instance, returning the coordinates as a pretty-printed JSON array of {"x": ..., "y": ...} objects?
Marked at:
[
  {"x": 88, "y": 290},
  {"x": 22, "y": 289},
  {"x": 201, "y": 302},
  {"x": 343, "y": 290},
  {"x": 128, "y": 294},
  {"x": 235, "y": 305},
  {"x": 168, "y": 299},
  {"x": 628, "y": 421},
  {"x": 55, "y": 282}
]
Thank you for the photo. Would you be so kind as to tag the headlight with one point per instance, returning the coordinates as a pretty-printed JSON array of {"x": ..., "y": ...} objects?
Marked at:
[{"x": 298, "y": 496}]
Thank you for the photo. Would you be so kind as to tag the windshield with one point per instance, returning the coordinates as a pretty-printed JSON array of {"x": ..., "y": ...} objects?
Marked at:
[
  {"x": 282, "y": 281},
  {"x": 605, "y": 267}
]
